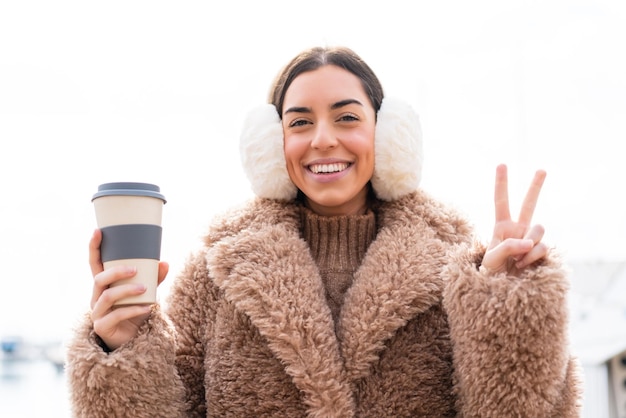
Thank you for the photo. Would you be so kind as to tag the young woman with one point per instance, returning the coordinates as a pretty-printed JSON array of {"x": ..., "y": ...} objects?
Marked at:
[{"x": 342, "y": 290}]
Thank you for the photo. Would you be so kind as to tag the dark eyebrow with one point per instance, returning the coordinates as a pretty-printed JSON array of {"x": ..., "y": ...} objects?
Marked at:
[
  {"x": 334, "y": 106},
  {"x": 345, "y": 102},
  {"x": 296, "y": 109}
]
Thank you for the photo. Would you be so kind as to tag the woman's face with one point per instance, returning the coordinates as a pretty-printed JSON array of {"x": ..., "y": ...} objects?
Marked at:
[{"x": 328, "y": 125}]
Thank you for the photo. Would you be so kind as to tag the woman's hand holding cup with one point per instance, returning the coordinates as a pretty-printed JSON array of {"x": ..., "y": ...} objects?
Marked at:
[{"x": 116, "y": 325}]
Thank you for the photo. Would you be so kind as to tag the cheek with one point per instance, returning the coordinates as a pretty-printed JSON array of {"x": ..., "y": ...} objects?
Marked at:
[
  {"x": 362, "y": 144},
  {"x": 293, "y": 150},
  {"x": 364, "y": 147}
]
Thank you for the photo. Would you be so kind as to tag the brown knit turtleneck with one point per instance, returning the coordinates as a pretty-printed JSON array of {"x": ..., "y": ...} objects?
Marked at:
[{"x": 338, "y": 245}]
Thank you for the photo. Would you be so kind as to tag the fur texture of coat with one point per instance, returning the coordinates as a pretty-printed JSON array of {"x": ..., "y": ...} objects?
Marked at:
[{"x": 422, "y": 332}]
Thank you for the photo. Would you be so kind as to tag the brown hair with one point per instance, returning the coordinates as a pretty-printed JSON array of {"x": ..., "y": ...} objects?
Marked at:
[{"x": 316, "y": 57}]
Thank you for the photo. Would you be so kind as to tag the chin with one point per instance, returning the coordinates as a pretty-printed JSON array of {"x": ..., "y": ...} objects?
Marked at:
[{"x": 336, "y": 204}]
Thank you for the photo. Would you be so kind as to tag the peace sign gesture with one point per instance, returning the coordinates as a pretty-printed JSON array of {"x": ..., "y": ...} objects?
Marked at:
[{"x": 515, "y": 245}]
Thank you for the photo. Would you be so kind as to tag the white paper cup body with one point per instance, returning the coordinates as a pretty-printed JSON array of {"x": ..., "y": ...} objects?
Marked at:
[
  {"x": 128, "y": 209},
  {"x": 129, "y": 216}
]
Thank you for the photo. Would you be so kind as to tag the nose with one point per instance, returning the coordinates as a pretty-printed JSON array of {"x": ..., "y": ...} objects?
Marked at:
[{"x": 324, "y": 137}]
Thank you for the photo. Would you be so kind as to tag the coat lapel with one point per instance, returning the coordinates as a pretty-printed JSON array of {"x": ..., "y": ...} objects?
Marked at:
[
  {"x": 399, "y": 279},
  {"x": 269, "y": 274}
]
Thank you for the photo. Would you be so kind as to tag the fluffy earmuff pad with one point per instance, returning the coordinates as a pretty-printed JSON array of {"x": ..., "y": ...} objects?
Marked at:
[
  {"x": 398, "y": 150},
  {"x": 262, "y": 154}
]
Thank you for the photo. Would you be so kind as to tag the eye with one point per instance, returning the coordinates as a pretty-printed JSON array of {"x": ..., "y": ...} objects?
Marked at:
[
  {"x": 348, "y": 117},
  {"x": 298, "y": 122}
]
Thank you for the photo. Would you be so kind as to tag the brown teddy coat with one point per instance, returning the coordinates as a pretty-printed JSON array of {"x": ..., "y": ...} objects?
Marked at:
[{"x": 422, "y": 332}]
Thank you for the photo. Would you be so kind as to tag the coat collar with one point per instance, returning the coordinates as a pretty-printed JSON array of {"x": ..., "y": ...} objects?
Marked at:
[{"x": 266, "y": 270}]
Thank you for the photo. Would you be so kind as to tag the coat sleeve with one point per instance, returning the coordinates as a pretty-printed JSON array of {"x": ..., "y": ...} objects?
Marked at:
[
  {"x": 191, "y": 307},
  {"x": 138, "y": 379},
  {"x": 509, "y": 337},
  {"x": 160, "y": 372}
]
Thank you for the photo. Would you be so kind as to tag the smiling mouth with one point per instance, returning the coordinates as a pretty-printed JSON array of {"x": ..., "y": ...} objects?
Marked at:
[{"x": 328, "y": 168}]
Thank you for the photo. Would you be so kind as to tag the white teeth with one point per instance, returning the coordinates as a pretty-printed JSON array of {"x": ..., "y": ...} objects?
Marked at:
[{"x": 328, "y": 168}]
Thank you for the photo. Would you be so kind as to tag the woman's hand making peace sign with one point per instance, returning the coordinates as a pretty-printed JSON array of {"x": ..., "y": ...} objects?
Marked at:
[{"x": 515, "y": 245}]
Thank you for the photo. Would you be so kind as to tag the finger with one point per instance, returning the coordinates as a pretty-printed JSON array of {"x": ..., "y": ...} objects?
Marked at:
[
  {"x": 164, "y": 268},
  {"x": 104, "y": 279},
  {"x": 111, "y": 295},
  {"x": 530, "y": 201},
  {"x": 501, "y": 194},
  {"x": 538, "y": 252},
  {"x": 535, "y": 233},
  {"x": 106, "y": 325},
  {"x": 497, "y": 258},
  {"x": 95, "y": 262}
]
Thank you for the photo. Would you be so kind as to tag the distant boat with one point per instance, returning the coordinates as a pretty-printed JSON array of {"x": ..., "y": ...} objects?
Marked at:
[
  {"x": 10, "y": 345},
  {"x": 16, "y": 348}
]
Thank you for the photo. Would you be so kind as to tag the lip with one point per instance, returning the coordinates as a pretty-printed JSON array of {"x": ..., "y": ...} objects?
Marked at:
[{"x": 328, "y": 177}]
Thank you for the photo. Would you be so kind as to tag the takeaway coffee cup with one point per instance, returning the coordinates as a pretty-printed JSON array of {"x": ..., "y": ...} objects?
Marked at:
[{"x": 129, "y": 216}]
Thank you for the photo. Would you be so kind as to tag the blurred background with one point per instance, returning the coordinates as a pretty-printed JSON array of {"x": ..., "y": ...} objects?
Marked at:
[{"x": 155, "y": 91}]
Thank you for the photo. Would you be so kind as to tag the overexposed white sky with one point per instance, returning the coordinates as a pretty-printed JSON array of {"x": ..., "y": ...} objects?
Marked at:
[{"x": 155, "y": 91}]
